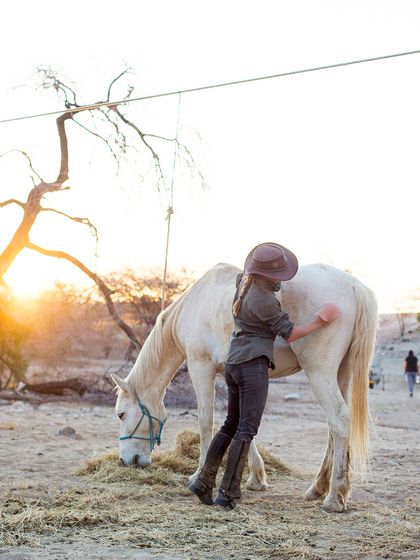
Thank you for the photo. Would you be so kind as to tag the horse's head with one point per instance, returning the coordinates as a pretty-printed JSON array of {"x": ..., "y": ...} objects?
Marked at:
[{"x": 140, "y": 426}]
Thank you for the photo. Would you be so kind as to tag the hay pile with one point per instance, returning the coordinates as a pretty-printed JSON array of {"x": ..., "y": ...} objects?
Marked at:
[
  {"x": 151, "y": 508},
  {"x": 168, "y": 466}
]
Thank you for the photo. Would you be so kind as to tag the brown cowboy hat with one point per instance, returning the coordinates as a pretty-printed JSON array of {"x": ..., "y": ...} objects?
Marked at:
[{"x": 272, "y": 261}]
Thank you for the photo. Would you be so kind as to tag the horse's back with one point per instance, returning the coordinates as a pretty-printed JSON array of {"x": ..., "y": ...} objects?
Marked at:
[
  {"x": 204, "y": 321},
  {"x": 301, "y": 297}
]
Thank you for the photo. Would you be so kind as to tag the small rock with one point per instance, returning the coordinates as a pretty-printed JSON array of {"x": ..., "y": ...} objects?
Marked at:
[
  {"x": 292, "y": 397},
  {"x": 67, "y": 432}
]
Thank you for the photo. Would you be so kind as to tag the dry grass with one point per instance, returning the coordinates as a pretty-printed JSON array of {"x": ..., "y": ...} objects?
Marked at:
[
  {"x": 152, "y": 508},
  {"x": 167, "y": 465}
]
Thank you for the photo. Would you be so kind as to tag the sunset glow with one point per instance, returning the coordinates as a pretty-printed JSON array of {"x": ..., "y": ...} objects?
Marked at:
[
  {"x": 31, "y": 274},
  {"x": 325, "y": 163}
]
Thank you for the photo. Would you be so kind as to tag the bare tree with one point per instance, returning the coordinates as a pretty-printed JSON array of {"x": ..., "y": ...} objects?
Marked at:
[
  {"x": 141, "y": 294},
  {"x": 111, "y": 126}
]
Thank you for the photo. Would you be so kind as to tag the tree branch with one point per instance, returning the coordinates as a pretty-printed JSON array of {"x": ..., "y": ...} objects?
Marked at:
[
  {"x": 64, "y": 166},
  {"x": 156, "y": 158},
  {"x": 148, "y": 135},
  {"x": 126, "y": 71},
  {"x": 26, "y": 156},
  {"x": 13, "y": 201},
  {"x": 84, "y": 221},
  {"x": 106, "y": 292},
  {"x": 49, "y": 79},
  {"x": 97, "y": 135}
]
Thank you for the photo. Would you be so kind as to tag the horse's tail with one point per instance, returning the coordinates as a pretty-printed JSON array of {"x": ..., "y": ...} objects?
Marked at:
[{"x": 356, "y": 365}]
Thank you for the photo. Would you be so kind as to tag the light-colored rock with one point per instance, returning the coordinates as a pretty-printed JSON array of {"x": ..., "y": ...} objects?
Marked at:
[{"x": 292, "y": 397}]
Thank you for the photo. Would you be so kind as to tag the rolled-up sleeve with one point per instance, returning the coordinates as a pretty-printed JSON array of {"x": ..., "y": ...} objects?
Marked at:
[{"x": 272, "y": 314}]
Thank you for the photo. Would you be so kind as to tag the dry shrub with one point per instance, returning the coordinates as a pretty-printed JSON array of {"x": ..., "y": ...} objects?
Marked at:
[
  {"x": 13, "y": 335},
  {"x": 66, "y": 323}
]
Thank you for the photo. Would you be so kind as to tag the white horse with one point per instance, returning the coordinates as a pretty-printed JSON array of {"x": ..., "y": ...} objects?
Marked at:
[{"x": 197, "y": 328}]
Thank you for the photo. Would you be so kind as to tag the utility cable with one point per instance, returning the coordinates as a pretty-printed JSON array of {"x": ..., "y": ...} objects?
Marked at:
[{"x": 210, "y": 86}]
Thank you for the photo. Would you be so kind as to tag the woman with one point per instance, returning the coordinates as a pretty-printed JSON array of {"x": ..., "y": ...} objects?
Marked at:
[
  {"x": 258, "y": 319},
  {"x": 411, "y": 370}
]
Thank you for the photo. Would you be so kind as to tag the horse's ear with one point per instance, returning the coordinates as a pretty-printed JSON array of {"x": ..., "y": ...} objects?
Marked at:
[{"x": 121, "y": 383}]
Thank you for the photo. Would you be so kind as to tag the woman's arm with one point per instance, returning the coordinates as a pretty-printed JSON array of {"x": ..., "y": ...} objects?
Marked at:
[
  {"x": 328, "y": 313},
  {"x": 300, "y": 331}
]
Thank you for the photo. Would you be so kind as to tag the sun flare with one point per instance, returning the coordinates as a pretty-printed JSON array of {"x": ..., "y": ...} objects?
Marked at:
[{"x": 31, "y": 274}]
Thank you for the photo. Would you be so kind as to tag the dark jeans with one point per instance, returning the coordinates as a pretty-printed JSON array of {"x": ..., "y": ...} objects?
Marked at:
[
  {"x": 247, "y": 389},
  {"x": 411, "y": 380}
]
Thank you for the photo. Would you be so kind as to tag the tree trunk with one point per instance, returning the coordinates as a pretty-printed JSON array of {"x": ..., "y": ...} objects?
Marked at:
[{"x": 58, "y": 387}]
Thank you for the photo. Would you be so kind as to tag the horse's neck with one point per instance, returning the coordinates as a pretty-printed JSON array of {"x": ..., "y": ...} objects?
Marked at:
[{"x": 157, "y": 363}]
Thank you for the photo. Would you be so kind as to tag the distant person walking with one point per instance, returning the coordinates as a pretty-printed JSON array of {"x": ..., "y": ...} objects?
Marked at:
[{"x": 411, "y": 370}]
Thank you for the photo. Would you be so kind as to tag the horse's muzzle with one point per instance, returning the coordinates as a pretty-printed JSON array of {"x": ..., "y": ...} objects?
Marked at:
[{"x": 137, "y": 462}]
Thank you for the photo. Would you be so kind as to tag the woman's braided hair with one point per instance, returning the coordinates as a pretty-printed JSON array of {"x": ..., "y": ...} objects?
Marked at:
[
  {"x": 244, "y": 289},
  {"x": 247, "y": 281}
]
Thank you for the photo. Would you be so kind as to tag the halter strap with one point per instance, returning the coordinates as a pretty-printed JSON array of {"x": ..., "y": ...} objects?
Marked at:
[{"x": 153, "y": 439}]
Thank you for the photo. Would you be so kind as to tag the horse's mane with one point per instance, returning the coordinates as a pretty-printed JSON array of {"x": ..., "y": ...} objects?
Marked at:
[
  {"x": 148, "y": 360},
  {"x": 147, "y": 363}
]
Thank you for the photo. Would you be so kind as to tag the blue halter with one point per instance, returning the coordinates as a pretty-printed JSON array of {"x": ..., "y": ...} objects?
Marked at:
[{"x": 153, "y": 439}]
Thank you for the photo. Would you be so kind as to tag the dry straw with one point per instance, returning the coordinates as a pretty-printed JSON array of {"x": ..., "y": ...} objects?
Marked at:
[{"x": 152, "y": 508}]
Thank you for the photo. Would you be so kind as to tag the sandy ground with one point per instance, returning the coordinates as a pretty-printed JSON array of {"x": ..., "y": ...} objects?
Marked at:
[{"x": 33, "y": 455}]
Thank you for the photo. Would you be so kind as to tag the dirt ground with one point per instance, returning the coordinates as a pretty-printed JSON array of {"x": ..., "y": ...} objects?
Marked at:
[{"x": 382, "y": 521}]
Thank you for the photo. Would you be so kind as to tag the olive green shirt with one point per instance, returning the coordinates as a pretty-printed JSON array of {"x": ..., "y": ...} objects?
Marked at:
[{"x": 257, "y": 324}]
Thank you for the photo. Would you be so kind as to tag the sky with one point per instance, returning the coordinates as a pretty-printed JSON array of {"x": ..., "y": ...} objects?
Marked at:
[{"x": 324, "y": 163}]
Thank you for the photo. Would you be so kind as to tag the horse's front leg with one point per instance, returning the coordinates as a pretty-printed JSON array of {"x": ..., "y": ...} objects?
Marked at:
[
  {"x": 326, "y": 389},
  {"x": 257, "y": 478},
  {"x": 202, "y": 375}
]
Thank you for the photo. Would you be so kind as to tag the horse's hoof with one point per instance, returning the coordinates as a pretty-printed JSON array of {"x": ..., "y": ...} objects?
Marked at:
[
  {"x": 312, "y": 494},
  {"x": 333, "y": 506},
  {"x": 256, "y": 485}
]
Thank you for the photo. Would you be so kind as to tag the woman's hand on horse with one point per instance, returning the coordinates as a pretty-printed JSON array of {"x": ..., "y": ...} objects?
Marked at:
[{"x": 328, "y": 312}]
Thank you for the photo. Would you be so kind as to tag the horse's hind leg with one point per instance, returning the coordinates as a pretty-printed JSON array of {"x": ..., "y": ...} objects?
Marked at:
[
  {"x": 321, "y": 484},
  {"x": 257, "y": 478},
  {"x": 328, "y": 393},
  {"x": 202, "y": 375}
]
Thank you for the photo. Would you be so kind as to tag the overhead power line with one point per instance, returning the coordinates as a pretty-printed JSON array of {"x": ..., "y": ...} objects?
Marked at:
[{"x": 211, "y": 86}]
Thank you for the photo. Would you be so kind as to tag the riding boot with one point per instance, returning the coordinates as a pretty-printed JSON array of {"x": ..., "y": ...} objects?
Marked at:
[
  {"x": 230, "y": 488},
  {"x": 203, "y": 485}
]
